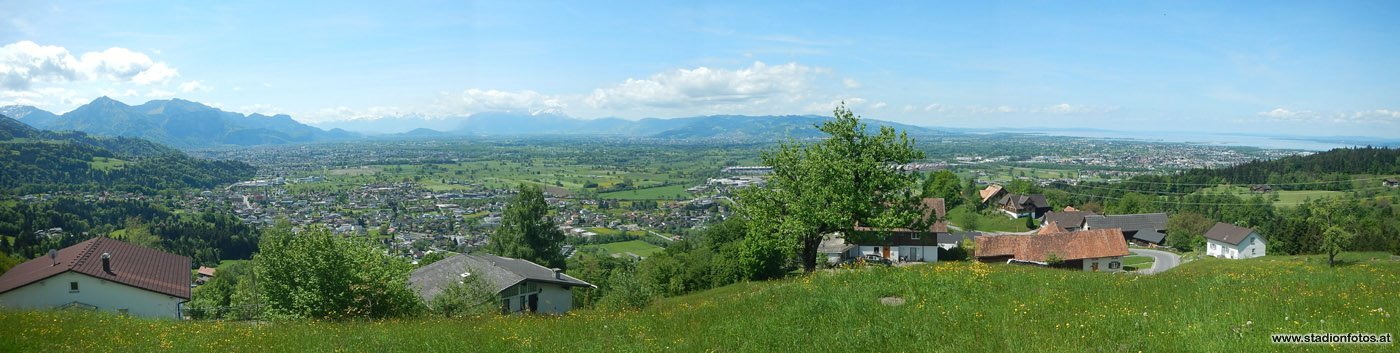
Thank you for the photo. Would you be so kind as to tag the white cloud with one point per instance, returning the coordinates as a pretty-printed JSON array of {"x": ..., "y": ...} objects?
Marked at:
[
  {"x": 478, "y": 100},
  {"x": 878, "y": 105},
  {"x": 1279, "y": 113},
  {"x": 24, "y": 63},
  {"x": 191, "y": 86},
  {"x": 1374, "y": 116},
  {"x": 850, "y": 83},
  {"x": 703, "y": 86},
  {"x": 159, "y": 93},
  {"x": 264, "y": 109}
]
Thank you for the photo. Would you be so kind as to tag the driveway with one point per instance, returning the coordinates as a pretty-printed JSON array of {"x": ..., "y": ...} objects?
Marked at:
[{"x": 1162, "y": 260}]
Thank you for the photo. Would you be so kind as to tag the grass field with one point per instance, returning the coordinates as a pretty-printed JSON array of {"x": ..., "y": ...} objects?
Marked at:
[
  {"x": 962, "y": 215},
  {"x": 1285, "y": 197},
  {"x": 638, "y": 247},
  {"x": 1208, "y": 305},
  {"x": 1137, "y": 262},
  {"x": 658, "y": 193},
  {"x": 104, "y": 163}
]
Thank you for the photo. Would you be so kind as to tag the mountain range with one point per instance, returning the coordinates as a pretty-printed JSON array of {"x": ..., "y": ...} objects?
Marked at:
[
  {"x": 187, "y": 124},
  {"x": 175, "y": 122}
]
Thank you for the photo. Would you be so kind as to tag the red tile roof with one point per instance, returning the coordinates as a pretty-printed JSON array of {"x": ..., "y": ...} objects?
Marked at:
[
  {"x": 1084, "y": 244},
  {"x": 132, "y": 265}
]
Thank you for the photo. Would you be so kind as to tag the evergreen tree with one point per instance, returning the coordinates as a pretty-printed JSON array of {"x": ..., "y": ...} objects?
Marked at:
[{"x": 526, "y": 231}]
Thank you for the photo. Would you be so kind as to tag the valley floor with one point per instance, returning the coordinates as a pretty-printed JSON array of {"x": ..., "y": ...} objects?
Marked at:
[{"x": 1205, "y": 305}]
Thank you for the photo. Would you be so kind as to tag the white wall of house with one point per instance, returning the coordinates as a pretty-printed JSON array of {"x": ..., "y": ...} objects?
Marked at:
[
  {"x": 915, "y": 253},
  {"x": 1105, "y": 264},
  {"x": 551, "y": 298},
  {"x": 1252, "y": 246},
  {"x": 92, "y": 291}
]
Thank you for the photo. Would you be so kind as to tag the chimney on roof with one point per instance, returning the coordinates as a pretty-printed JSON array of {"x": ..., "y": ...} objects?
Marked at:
[
  {"x": 107, "y": 262},
  {"x": 557, "y": 274}
]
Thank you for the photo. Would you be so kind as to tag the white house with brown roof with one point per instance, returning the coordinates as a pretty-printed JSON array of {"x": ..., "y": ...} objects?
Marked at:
[
  {"x": 1088, "y": 250},
  {"x": 1229, "y": 241},
  {"x": 101, "y": 274}
]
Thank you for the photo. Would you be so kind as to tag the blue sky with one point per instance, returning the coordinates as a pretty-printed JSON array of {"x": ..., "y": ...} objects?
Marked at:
[{"x": 1313, "y": 68}]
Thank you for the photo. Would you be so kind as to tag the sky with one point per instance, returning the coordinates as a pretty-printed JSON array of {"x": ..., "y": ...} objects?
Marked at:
[{"x": 1310, "y": 68}]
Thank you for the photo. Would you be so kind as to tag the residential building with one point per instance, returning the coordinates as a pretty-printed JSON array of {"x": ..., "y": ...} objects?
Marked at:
[
  {"x": 101, "y": 274},
  {"x": 1021, "y": 206},
  {"x": 1229, "y": 241},
  {"x": 916, "y": 243},
  {"x": 1068, "y": 220},
  {"x": 1088, "y": 250},
  {"x": 523, "y": 286},
  {"x": 1146, "y": 229},
  {"x": 992, "y": 193}
]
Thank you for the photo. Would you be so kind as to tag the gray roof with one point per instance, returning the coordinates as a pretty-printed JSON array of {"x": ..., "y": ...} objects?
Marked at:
[
  {"x": 953, "y": 238},
  {"x": 1068, "y": 220},
  {"x": 500, "y": 272},
  {"x": 1150, "y": 227},
  {"x": 1228, "y": 233}
]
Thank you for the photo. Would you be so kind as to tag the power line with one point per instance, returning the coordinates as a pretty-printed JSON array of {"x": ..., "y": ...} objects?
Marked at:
[
  {"x": 1270, "y": 184},
  {"x": 1199, "y": 192}
]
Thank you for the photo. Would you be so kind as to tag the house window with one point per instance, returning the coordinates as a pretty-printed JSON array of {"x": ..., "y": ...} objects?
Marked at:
[
  {"x": 1114, "y": 265},
  {"x": 914, "y": 235},
  {"x": 72, "y": 287}
]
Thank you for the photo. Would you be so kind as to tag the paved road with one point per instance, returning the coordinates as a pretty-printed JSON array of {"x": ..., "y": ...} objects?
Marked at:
[{"x": 1162, "y": 260}]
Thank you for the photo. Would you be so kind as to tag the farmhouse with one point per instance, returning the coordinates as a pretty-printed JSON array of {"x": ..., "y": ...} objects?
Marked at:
[
  {"x": 948, "y": 241},
  {"x": 918, "y": 242},
  {"x": 1088, "y": 250},
  {"x": 205, "y": 274},
  {"x": 992, "y": 192},
  {"x": 1142, "y": 229},
  {"x": 1020, "y": 206},
  {"x": 1391, "y": 182},
  {"x": 101, "y": 274},
  {"x": 1229, "y": 241},
  {"x": 1068, "y": 220},
  {"x": 523, "y": 286}
]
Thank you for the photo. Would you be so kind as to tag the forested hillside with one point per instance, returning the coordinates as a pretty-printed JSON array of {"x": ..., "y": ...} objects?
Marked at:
[{"x": 37, "y": 161}]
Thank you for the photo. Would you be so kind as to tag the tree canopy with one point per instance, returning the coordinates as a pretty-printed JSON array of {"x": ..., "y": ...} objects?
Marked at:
[
  {"x": 526, "y": 231},
  {"x": 829, "y": 186}
]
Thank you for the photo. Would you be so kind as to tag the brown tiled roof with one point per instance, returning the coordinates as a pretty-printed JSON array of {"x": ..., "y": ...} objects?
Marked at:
[
  {"x": 932, "y": 206},
  {"x": 1086, "y": 244},
  {"x": 990, "y": 192},
  {"x": 132, "y": 265},
  {"x": 1049, "y": 228},
  {"x": 1228, "y": 233},
  {"x": 207, "y": 271}
]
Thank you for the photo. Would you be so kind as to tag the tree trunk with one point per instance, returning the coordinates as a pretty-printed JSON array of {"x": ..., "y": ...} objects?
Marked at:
[{"x": 809, "y": 253}]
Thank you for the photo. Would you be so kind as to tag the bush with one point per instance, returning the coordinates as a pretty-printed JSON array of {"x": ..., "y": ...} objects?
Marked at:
[
  {"x": 472, "y": 297},
  {"x": 319, "y": 275}
]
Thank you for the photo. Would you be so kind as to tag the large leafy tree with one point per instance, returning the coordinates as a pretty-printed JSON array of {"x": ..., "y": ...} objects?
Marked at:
[
  {"x": 1331, "y": 215},
  {"x": 315, "y": 274},
  {"x": 826, "y": 187},
  {"x": 526, "y": 231}
]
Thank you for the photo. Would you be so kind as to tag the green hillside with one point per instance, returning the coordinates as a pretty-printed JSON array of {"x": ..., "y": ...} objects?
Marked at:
[{"x": 1205, "y": 305}]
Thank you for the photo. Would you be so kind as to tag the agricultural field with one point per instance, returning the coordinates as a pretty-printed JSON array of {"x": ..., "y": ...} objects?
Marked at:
[
  {"x": 671, "y": 192},
  {"x": 1285, "y": 197},
  {"x": 641, "y": 248},
  {"x": 1207, "y": 305},
  {"x": 104, "y": 163}
]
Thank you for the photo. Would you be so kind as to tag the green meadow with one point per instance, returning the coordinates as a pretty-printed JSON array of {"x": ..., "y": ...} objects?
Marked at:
[{"x": 1207, "y": 305}]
